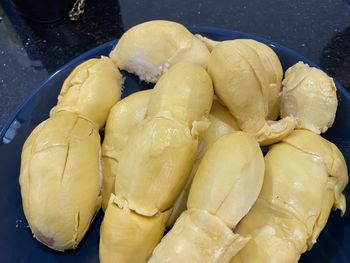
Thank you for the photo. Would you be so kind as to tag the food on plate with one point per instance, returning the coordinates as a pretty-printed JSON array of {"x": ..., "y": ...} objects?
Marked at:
[
  {"x": 225, "y": 187},
  {"x": 272, "y": 66},
  {"x": 310, "y": 96},
  {"x": 90, "y": 91},
  {"x": 221, "y": 123},
  {"x": 60, "y": 175},
  {"x": 242, "y": 83},
  {"x": 304, "y": 179},
  {"x": 156, "y": 162},
  {"x": 179, "y": 157},
  {"x": 127, "y": 236},
  {"x": 151, "y": 48},
  {"x": 123, "y": 118},
  {"x": 210, "y": 43},
  {"x": 274, "y": 73}
]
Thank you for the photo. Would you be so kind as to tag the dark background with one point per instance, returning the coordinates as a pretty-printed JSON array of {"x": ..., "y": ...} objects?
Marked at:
[{"x": 31, "y": 51}]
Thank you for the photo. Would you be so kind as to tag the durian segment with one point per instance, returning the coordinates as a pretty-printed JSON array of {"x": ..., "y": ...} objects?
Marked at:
[
  {"x": 127, "y": 236},
  {"x": 276, "y": 236},
  {"x": 225, "y": 187},
  {"x": 332, "y": 158},
  {"x": 237, "y": 85},
  {"x": 274, "y": 131},
  {"x": 151, "y": 178},
  {"x": 273, "y": 69},
  {"x": 61, "y": 159},
  {"x": 154, "y": 166},
  {"x": 198, "y": 236},
  {"x": 241, "y": 82},
  {"x": 229, "y": 178},
  {"x": 60, "y": 165},
  {"x": 221, "y": 123},
  {"x": 151, "y": 48},
  {"x": 210, "y": 43},
  {"x": 156, "y": 161},
  {"x": 184, "y": 94},
  {"x": 91, "y": 90},
  {"x": 310, "y": 96},
  {"x": 274, "y": 72},
  {"x": 123, "y": 118},
  {"x": 304, "y": 178}
]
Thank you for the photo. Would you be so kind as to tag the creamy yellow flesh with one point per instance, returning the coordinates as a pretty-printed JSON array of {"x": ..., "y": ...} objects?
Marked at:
[
  {"x": 155, "y": 163},
  {"x": 123, "y": 118},
  {"x": 274, "y": 73},
  {"x": 151, "y": 48},
  {"x": 310, "y": 96},
  {"x": 198, "y": 236},
  {"x": 144, "y": 176},
  {"x": 241, "y": 82},
  {"x": 304, "y": 178},
  {"x": 135, "y": 235},
  {"x": 55, "y": 170},
  {"x": 164, "y": 157},
  {"x": 60, "y": 175},
  {"x": 91, "y": 90},
  {"x": 272, "y": 66},
  {"x": 221, "y": 123},
  {"x": 225, "y": 187}
]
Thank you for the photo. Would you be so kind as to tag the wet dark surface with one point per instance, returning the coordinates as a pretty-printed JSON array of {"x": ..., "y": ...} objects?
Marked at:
[{"x": 31, "y": 51}]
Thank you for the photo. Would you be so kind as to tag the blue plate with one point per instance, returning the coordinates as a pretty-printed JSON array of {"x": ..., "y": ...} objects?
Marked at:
[{"x": 16, "y": 241}]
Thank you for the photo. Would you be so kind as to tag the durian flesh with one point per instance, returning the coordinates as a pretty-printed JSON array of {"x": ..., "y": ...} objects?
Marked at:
[
  {"x": 229, "y": 178},
  {"x": 60, "y": 175},
  {"x": 154, "y": 166},
  {"x": 225, "y": 187},
  {"x": 221, "y": 123},
  {"x": 151, "y": 48},
  {"x": 54, "y": 169},
  {"x": 274, "y": 73},
  {"x": 122, "y": 120},
  {"x": 198, "y": 236},
  {"x": 158, "y": 157},
  {"x": 166, "y": 141},
  {"x": 91, "y": 90},
  {"x": 130, "y": 112},
  {"x": 310, "y": 96},
  {"x": 241, "y": 82},
  {"x": 272, "y": 66},
  {"x": 132, "y": 234},
  {"x": 304, "y": 179}
]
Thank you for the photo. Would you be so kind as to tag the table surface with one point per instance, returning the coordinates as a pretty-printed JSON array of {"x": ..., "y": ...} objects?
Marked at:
[{"x": 30, "y": 51}]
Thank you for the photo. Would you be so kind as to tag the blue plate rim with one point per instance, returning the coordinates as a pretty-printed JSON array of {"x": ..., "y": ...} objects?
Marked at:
[{"x": 194, "y": 30}]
